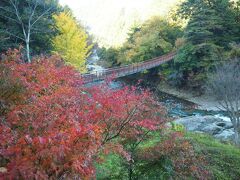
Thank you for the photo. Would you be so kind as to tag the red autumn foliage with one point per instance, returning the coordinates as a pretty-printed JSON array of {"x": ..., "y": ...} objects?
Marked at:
[{"x": 59, "y": 126}]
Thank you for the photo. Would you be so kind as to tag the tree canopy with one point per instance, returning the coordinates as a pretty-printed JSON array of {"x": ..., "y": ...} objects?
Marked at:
[
  {"x": 154, "y": 38},
  {"x": 71, "y": 43},
  {"x": 212, "y": 26}
]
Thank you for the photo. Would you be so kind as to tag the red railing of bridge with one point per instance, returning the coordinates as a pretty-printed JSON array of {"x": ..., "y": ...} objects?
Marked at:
[{"x": 128, "y": 69}]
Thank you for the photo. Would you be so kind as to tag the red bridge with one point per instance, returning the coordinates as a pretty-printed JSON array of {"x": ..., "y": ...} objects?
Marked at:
[{"x": 128, "y": 69}]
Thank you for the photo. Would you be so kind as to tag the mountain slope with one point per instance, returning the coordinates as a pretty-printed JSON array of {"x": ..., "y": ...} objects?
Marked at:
[{"x": 110, "y": 20}]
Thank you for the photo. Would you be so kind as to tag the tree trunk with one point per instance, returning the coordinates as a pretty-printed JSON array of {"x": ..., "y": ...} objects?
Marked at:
[
  {"x": 28, "y": 52},
  {"x": 237, "y": 136},
  {"x": 130, "y": 170}
]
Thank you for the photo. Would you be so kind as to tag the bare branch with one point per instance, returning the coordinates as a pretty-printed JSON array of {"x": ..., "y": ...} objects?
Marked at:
[
  {"x": 225, "y": 87},
  {"x": 42, "y": 15},
  {"x": 3, "y": 8},
  {"x": 14, "y": 4},
  {"x": 32, "y": 14},
  {"x": 122, "y": 126}
]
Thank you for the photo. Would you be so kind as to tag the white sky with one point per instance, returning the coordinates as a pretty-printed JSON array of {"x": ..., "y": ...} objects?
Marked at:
[
  {"x": 89, "y": 11},
  {"x": 109, "y": 20},
  {"x": 92, "y": 4}
]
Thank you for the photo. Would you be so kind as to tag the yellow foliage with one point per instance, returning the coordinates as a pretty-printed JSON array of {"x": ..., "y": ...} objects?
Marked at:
[{"x": 71, "y": 42}]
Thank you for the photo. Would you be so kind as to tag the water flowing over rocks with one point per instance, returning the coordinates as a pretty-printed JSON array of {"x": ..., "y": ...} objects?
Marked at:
[{"x": 220, "y": 128}]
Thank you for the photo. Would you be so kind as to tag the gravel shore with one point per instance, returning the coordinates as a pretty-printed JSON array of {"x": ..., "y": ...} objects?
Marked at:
[{"x": 203, "y": 102}]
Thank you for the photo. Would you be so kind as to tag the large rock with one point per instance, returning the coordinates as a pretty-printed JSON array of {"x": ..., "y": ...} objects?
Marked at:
[
  {"x": 219, "y": 128},
  {"x": 227, "y": 134}
]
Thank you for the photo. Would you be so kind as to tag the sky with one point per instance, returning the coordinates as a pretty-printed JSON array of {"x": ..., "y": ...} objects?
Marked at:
[{"x": 110, "y": 20}]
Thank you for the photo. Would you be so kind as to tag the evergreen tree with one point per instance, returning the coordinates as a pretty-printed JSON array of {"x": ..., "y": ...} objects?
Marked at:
[{"x": 211, "y": 27}]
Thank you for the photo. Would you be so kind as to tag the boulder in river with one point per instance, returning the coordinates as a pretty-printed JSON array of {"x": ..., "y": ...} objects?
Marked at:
[{"x": 215, "y": 126}]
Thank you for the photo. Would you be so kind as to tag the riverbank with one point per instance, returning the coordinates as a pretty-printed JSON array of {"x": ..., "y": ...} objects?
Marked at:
[{"x": 203, "y": 102}]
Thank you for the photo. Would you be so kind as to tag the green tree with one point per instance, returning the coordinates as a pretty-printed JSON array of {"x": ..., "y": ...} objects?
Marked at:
[
  {"x": 27, "y": 23},
  {"x": 219, "y": 18},
  {"x": 211, "y": 27},
  {"x": 109, "y": 55},
  {"x": 72, "y": 41},
  {"x": 154, "y": 38},
  {"x": 234, "y": 53}
]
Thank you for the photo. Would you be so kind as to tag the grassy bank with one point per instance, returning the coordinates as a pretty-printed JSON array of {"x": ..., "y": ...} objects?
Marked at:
[{"x": 223, "y": 160}]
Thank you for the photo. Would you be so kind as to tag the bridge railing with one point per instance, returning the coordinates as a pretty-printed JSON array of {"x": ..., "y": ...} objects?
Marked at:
[{"x": 127, "y": 69}]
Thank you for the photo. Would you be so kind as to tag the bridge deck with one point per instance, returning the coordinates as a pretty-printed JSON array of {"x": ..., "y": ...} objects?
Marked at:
[{"x": 128, "y": 69}]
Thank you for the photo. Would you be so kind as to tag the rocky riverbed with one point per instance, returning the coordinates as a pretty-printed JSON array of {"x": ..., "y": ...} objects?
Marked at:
[
  {"x": 220, "y": 128},
  {"x": 195, "y": 119}
]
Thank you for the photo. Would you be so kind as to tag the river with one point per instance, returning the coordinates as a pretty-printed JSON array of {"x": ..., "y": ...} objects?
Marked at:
[{"x": 176, "y": 107}]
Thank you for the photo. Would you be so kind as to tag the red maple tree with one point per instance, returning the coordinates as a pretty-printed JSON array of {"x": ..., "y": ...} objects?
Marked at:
[
  {"x": 59, "y": 126},
  {"x": 52, "y": 126}
]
